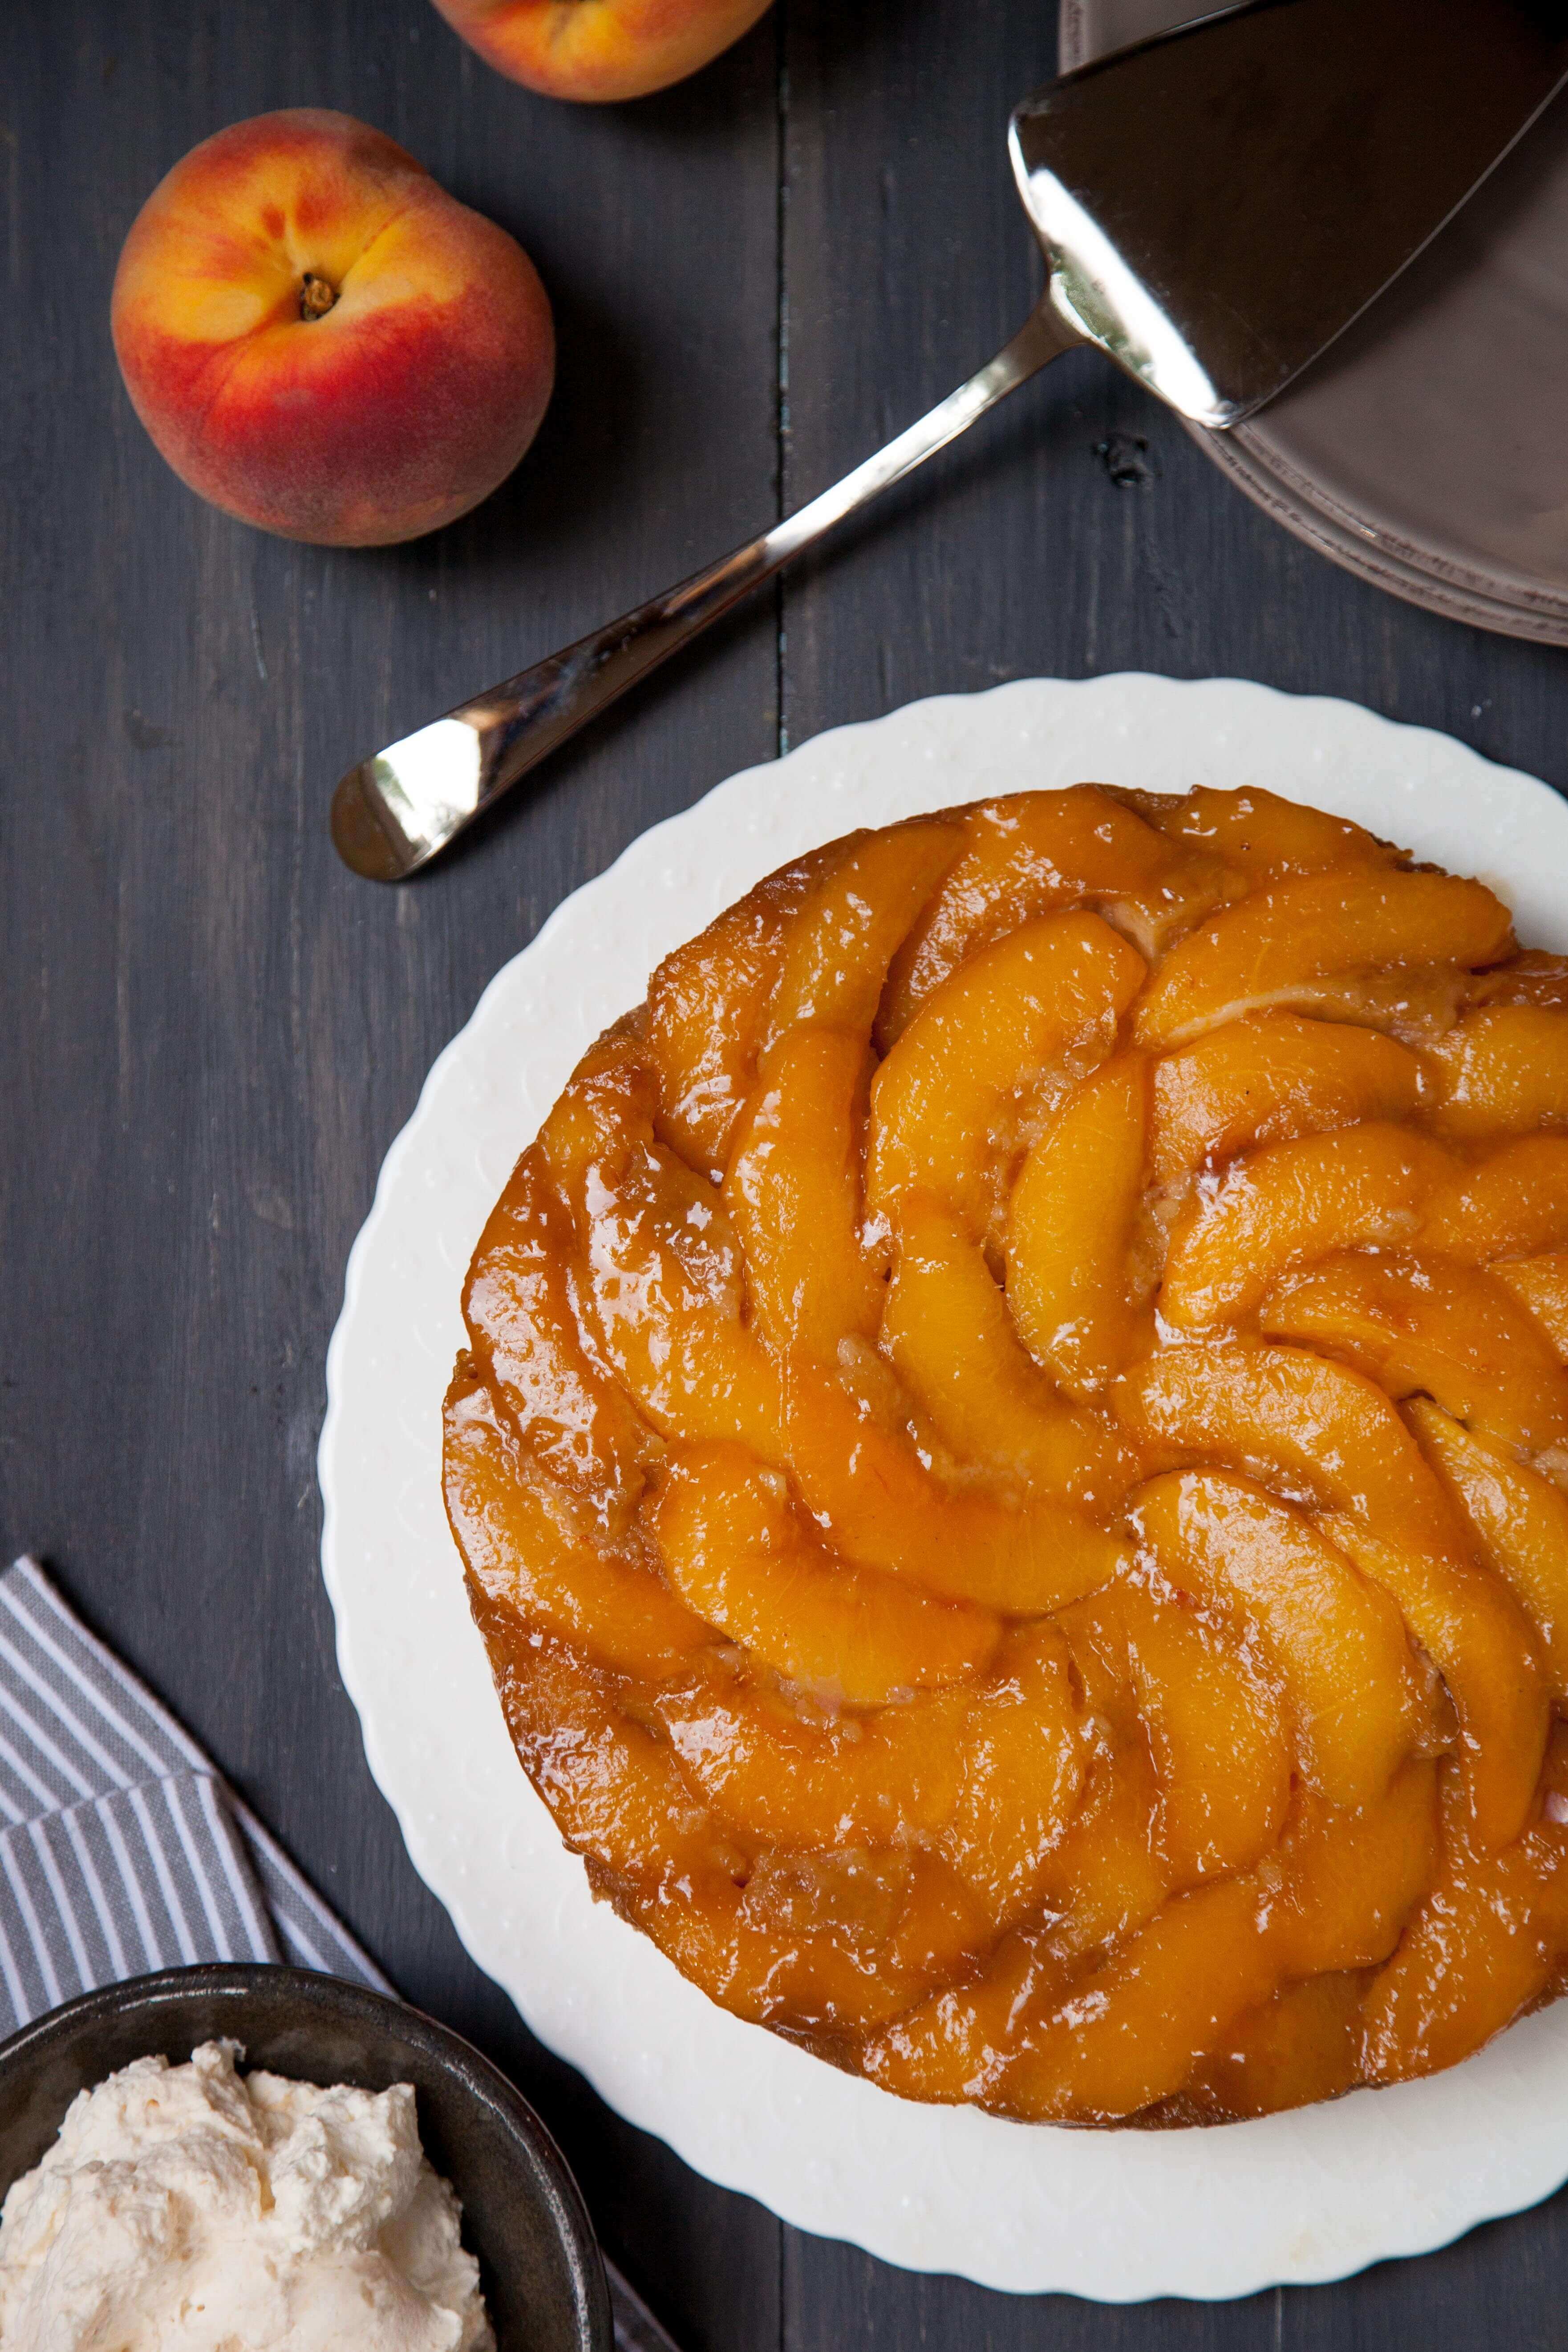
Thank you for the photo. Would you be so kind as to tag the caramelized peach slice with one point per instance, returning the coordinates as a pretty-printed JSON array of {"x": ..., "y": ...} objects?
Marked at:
[
  {"x": 1023, "y": 1772},
  {"x": 1069, "y": 1224},
  {"x": 979, "y": 1044},
  {"x": 667, "y": 1285},
  {"x": 902, "y": 1911},
  {"x": 1322, "y": 1431},
  {"x": 1220, "y": 1754},
  {"x": 1422, "y": 1323},
  {"x": 793, "y": 1189},
  {"x": 838, "y": 946},
  {"x": 1502, "y": 1070},
  {"x": 1411, "y": 1003},
  {"x": 1288, "y": 1204},
  {"x": 1352, "y": 1879},
  {"x": 1515, "y": 1204},
  {"x": 955, "y": 2043},
  {"x": 1134, "y": 2030},
  {"x": 1302, "y": 2047},
  {"x": 615, "y": 1788},
  {"x": 604, "y": 1112},
  {"x": 1520, "y": 1521},
  {"x": 1472, "y": 1957},
  {"x": 1266, "y": 837},
  {"x": 1541, "y": 1285},
  {"x": 743, "y": 1559},
  {"x": 884, "y": 1509},
  {"x": 521, "y": 1548},
  {"x": 825, "y": 1979},
  {"x": 1268, "y": 1078},
  {"x": 949, "y": 1335},
  {"x": 1337, "y": 1642},
  {"x": 860, "y": 1781},
  {"x": 853, "y": 1894},
  {"x": 1109, "y": 1876},
  {"x": 1152, "y": 917},
  {"x": 706, "y": 1007},
  {"x": 1274, "y": 945},
  {"x": 522, "y": 1315},
  {"x": 942, "y": 1926},
  {"x": 1030, "y": 855},
  {"x": 1485, "y": 1648},
  {"x": 1530, "y": 978},
  {"x": 1312, "y": 1428}
]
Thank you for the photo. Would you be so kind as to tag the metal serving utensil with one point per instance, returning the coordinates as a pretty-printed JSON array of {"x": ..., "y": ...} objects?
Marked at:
[{"x": 1216, "y": 207}]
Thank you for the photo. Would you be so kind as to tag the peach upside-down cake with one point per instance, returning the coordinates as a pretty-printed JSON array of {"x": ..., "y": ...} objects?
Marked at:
[{"x": 1012, "y": 1459}]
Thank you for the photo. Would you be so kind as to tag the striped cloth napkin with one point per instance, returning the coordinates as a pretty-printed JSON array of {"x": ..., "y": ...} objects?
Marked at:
[{"x": 121, "y": 1848}]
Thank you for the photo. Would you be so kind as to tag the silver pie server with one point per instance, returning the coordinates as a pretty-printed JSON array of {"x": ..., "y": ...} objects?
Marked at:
[{"x": 1216, "y": 207}]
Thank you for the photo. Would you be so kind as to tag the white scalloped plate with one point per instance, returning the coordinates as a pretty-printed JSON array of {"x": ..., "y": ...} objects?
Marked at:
[{"x": 1118, "y": 2216}]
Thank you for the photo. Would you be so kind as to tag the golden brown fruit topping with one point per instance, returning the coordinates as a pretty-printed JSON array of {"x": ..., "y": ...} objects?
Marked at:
[{"x": 1013, "y": 1459}]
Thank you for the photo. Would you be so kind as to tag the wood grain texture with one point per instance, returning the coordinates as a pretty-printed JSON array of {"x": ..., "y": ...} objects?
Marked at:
[{"x": 213, "y": 1032}]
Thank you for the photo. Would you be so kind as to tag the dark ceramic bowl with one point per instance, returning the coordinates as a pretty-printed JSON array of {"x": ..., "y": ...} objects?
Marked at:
[{"x": 522, "y": 2215}]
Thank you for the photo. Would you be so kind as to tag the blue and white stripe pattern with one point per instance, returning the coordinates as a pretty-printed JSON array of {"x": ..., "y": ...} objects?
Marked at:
[{"x": 121, "y": 1849}]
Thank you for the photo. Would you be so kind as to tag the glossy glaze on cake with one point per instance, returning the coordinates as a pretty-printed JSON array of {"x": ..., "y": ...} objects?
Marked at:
[{"x": 1012, "y": 1457}]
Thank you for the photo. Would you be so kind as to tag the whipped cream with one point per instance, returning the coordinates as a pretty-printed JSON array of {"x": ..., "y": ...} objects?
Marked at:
[{"x": 185, "y": 2208}]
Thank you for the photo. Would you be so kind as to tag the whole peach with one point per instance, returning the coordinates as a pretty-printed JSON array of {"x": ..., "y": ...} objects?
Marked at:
[
  {"x": 321, "y": 340},
  {"x": 600, "y": 49}
]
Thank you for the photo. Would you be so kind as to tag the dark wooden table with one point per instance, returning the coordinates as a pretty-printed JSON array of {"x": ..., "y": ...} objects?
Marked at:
[{"x": 212, "y": 1034}]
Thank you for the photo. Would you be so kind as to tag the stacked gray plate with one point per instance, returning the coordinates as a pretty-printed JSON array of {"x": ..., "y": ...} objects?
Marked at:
[{"x": 1426, "y": 450}]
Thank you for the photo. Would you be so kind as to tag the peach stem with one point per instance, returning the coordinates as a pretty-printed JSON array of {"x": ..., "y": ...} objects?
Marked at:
[{"x": 316, "y": 296}]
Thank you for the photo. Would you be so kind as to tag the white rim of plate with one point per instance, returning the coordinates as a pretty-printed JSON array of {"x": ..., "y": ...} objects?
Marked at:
[{"x": 1115, "y": 2217}]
